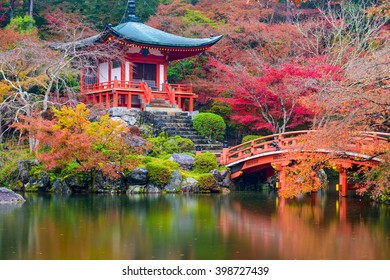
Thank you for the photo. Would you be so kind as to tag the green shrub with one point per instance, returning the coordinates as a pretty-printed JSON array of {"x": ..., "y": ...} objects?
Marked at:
[
  {"x": 205, "y": 162},
  {"x": 206, "y": 182},
  {"x": 159, "y": 174},
  {"x": 9, "y": 170},
  {"x": 247, "y": 138},
  {"x": 210, "y": 125},
  {"x": 163, "y": 145}
]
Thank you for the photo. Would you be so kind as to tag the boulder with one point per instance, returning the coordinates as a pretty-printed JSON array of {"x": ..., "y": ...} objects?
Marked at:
[
  {"x": 129, "y": 120},
  {"x": 222, "y": 177},
  {"x": 174, "y": 185},
  {"x": 188, "y": 185},
  {"x": 138, "y": 176},
  {"x": 185, "y": 161},
  {"x": 135, "y": 189},
  {"x": 24, "y": 167},
  {"x": 104, "y": 184},
  {"x": 41, "y": 183},
  {"x": 76, "y": 184},
  {"x": 9, "y": 197},
  {"x": 117, "y": 111},
  {"x": 60, "y": 187},
  {"x": 116, "y": 119},
  {"x": 152, "y": 189}
]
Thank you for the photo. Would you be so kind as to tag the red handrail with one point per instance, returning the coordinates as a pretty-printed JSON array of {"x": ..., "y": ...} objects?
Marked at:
[
  {"x": 147, "y": 92},
  {"x": 171, "y": 93},
  {"x": 289, "y": 140}
]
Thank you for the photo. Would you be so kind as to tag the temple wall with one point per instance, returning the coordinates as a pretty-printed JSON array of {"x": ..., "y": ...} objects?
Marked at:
[{"x": 103, "y": 72}]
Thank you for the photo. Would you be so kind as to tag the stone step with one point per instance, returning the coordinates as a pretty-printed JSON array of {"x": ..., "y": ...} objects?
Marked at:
[
  {"x": 173, "y": 119},
  {"x": 181, "y": 128}
]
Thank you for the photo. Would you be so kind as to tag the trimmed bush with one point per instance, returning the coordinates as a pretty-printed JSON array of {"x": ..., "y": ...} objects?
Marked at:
[
  {"x": 163, "y": 145},
  {"x": 159, "y": 174},
  {"x": 247, "y": 138},
  {"x": 206, "y": 183},
  {"x": 205, "y": 162},
  {"x": 210, "y": 125}
]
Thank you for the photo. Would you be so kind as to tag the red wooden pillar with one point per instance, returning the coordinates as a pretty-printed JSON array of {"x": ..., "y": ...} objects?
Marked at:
[
  {"x": 343, "y": 182},
  {"x": 100, "y": 98},
  {"x": 115, "y": 99},
  {"x": 82, "y": 81},
  {"x": 183, "y": 106},
  {"x": 282, "y": 176},
  {"x": 107, "y": 100},
  {"x": 94, "y": 98},
  {"x": 129, "y": 96},
  {"x": 179, "y": 101},
  {"x": 191, "y": 105}
]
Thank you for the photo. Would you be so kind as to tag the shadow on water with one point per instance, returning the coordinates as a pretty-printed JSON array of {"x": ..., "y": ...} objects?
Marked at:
[{"x": 242, "y": 225}]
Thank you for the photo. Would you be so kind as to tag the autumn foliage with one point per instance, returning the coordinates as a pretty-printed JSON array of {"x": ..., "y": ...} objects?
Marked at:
[{"x": 71, "y": 143}]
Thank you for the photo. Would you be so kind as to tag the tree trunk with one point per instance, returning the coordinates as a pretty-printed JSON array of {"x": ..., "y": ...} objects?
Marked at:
[
  {"x": 11, "y": 9},
  {"x": 288, "y": 12},
  {"x": 31, "y": 8}
]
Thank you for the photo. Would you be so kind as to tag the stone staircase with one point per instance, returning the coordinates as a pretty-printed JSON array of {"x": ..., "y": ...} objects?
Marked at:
[
  {"x": 181, "y": 124},
  {"x": 160, "y": 103}
]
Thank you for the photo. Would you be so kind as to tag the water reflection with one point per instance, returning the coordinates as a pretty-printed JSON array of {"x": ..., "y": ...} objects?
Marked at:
[{"x": 234, "y": 226}]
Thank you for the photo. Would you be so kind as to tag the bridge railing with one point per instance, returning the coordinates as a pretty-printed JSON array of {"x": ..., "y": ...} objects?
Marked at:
[
  {"x": 363, "y": 142},
  {"x": 262, "y": 145}
]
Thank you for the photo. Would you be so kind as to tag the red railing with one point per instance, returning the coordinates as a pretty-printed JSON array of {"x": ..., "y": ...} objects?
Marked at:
[
  {"x": 109, "y": 85},
  {"x": 182, "y": 88},
  {"x": 147, "y": 92},
  {"x": 170, "y": 93},
  {"x": 289, "y": 140}
]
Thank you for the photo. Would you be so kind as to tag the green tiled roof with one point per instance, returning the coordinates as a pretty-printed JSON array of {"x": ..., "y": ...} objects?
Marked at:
[{"x": 137, "y": 32}]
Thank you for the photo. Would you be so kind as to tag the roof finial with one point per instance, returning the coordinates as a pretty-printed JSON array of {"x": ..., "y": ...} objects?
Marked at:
[
  {"x": 131, "y": 11},
  {"x": 131, "y": 8}
]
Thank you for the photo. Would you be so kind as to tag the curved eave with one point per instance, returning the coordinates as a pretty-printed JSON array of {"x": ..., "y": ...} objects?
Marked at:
[{"x": 139, "y": 33}]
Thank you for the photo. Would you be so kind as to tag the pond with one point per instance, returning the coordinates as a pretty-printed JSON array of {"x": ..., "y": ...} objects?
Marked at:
[{"x": 239, "y": 225}]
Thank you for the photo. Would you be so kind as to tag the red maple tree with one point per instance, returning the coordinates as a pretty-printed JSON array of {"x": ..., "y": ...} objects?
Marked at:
[{"x": 272, "y": 100}]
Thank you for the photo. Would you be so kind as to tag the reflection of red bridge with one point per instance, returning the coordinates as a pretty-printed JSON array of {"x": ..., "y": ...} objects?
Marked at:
[{"x": 265, "y": 153}]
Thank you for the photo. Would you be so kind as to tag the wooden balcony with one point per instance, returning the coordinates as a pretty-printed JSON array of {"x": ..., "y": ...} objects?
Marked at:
[{"x": 139, "y": 95}]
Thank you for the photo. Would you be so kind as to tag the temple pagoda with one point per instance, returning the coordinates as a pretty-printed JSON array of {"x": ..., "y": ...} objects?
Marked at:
[{"x": 139, "y": 80}]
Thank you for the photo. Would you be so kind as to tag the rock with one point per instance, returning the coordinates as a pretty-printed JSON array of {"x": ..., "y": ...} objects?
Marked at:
[
  {"x": 116, "y": 119},
  {"x": 60, "y": 187},
  {"x": 175, "y": 183},
  {"x": 222, "y": 177},
  {"x": 188, "y": 185},
  {"x": 40, "y": 184},
  {"x": 129, "y": 120},
  {"x": 138, "y": 176},
  {"x": 117, "y": 111},
  {"x": 24, "y": 167},
  {"x": 135, "y": 141},
  {"x": 9, "y": 197},
  {"x": 152, "y": 189},
  {"x": 104, "y": 184},
  {"x": 216, "y": 189},
  {"x": 185, "y": 161},
  {"x": 323, "y": 178},
  {"x": 76, "y": 184},
  {"x": 134, "y": 189},
  {"x": 225, "y": 190},
  {"x": 216, "y": 175}
]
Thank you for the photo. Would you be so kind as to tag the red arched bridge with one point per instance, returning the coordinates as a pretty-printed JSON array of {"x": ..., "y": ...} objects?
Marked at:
[{"x": 265, "y": 153}]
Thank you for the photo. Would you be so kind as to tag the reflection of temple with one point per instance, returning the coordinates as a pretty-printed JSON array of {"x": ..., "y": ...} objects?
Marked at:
[{"x": 140, "y": 79}]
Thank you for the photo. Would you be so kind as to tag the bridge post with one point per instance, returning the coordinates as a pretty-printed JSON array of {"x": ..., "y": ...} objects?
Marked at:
[
  {"x": 343, "y": 182},
  {"x": 281, "y": 167},
  {"x": 225, "y": 152}
]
